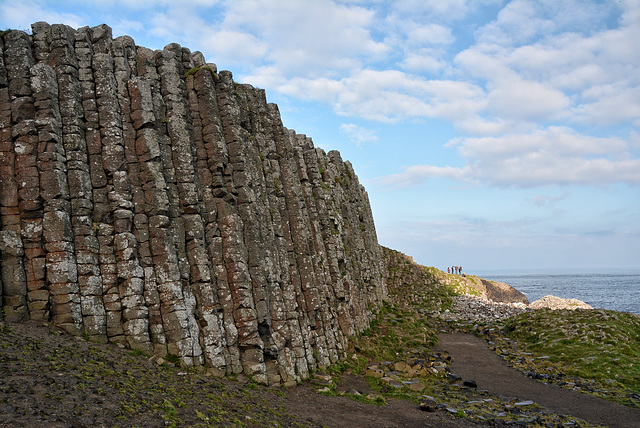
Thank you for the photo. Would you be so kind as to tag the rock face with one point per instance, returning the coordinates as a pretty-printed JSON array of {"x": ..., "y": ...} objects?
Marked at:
[
  {"x": 501, "y": 292},
  {"x": 150, "y": 200}
]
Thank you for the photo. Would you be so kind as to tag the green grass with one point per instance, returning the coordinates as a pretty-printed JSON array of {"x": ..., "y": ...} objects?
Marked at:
[
  {"x": 590, "y": 344},
  {"x": 194, "y": 70},
  {"x": 393, "y": 332}
]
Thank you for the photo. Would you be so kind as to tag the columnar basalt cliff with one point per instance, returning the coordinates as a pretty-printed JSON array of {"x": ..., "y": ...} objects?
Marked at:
[{"x": 148, "y": 199}]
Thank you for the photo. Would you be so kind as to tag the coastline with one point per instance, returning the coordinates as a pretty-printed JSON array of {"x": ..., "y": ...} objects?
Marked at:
[{"x": 611, "y": 289}]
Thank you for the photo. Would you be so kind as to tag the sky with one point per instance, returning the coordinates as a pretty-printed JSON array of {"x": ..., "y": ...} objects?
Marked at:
[{"x": 489, "y": 134}]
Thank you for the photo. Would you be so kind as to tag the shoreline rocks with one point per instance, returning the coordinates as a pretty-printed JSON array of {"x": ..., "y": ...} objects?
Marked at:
[
  {"x": 554, "y": 302},
  {"x": 477, "y": 309}
]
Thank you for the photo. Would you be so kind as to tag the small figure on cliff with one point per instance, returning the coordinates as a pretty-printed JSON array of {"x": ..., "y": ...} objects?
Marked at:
[{"x": 448, "y": 270}]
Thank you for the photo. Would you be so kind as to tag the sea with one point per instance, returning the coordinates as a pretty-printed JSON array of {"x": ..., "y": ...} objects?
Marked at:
[{"x": 618, "y": 290}]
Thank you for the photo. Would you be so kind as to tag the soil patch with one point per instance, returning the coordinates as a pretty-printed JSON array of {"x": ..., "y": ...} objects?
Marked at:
[{"x": 338, "y": 412}]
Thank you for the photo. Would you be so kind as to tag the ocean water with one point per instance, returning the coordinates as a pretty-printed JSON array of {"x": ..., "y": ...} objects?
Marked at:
[{"x": 618, "y": 290}]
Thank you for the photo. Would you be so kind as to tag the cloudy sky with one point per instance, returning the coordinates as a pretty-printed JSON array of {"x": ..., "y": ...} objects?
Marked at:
[{"x": 490, "y": 134}]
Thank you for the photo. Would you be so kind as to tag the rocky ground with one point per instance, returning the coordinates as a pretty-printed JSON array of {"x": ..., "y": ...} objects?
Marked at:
[
  {"x": 48, "y": 378},
  {"x": 51, "y": 379}
]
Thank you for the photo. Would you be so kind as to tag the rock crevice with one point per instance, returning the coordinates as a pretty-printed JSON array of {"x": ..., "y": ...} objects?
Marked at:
[{"x": 148, "y": 199}]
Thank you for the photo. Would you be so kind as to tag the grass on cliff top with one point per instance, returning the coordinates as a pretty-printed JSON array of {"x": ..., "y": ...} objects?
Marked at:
[
  {"x": 591, "y": 344},
  {"x": 456, "y": 283}
]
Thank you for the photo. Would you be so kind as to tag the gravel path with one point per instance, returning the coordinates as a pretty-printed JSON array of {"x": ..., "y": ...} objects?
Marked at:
[{"x": 472, "y": 359}]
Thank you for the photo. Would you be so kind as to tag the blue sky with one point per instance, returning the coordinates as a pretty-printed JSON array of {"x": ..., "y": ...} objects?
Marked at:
[{"x": 489, "y": 134}]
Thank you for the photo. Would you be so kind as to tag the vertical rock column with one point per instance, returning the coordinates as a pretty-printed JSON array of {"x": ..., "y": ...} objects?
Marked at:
[
  {"x": 360, "y": 243},
  {"x": 235, "y": 239},
  {"x": 28, "y": 178},
  {"x": 290, "y": 325},
  {"x": 297, "y": 233},
  {"x": 177, "y": 299},
  {"x": 16, "y": 106},
  {"x": 107, "y": 199},
  {"x": 218, "y": 200},
  {"x": 270, "y": 260},
  {"x": 69, "y": 64},
  {"x": 57, "y": 231},
  {"x": 147, "y": 117},
  {"x": 248, "y": 155},
  {"x": 6, "y": 147},
  {"x": 202, "y": 277},
  {"x": 309, "y": 169},
  {"x": 324, "y": 196},
  {"x": 45, "y": 91},
  {"x": 254, "y": 172},
  {"x": 188, "y": 225},
  {"x": 87, "y": 225},
  {"x": 126, "y": 183}
]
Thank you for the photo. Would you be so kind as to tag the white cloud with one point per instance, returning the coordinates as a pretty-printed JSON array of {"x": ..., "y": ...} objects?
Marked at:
[
  {"x": 394, "y": 95},
  {"x": 126, "y": 26},
  {"x": 306, "y": 39},
  {"x": 429, "y": 34},
  {"x": 540, "y": 62},
  {"x": 416, "y": 174},
  {"x": 442, "y": 11},
  {"x": 555, "y": 156},
  {"x": 331, "y": 52},
  {"x": 423, "y": 61},
  {"x": 224, "y": 45},
  {"x": 526, "y": 100},
  {"x": 21, "y": 15},
  {"x": 619, "y": 107},
  {"x": 526, "y": 21},
  {"x": 518, "y": 22},
  {"x": 544, "y": 201},
  {"x": 358, "y": 134}
]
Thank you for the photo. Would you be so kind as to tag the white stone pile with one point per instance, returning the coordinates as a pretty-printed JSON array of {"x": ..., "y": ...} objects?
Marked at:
[
  {"x": 479, "y": 309},
  {"x": 554, "y": 302}
]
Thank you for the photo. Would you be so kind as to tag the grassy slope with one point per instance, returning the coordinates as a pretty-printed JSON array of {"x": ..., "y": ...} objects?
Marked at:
[{"x": 597, "y": 347}]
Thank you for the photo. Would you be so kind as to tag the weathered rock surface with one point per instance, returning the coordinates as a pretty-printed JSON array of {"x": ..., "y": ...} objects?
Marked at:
[
  {"x": 554, "y": 302},
  {"x": 148, "y": 199},
  {"x": 480, "y": 310}
]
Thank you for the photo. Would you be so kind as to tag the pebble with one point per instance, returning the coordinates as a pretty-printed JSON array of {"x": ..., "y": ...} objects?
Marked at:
[{"x": 470, "y": 383}]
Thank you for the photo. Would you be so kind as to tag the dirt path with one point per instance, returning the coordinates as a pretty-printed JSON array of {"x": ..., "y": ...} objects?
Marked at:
[
  {"x": 472, "y": 359},
  {"x": 339, "y": 412}
]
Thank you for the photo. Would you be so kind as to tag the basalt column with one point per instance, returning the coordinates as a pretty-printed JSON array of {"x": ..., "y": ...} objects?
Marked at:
[{"x": 150, "y": 200}]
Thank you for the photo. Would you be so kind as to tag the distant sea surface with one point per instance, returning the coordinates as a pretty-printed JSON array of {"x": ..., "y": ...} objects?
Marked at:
[{"x": 618, "y": 290}]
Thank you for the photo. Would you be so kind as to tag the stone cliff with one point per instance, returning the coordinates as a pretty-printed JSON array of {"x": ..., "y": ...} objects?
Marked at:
[{"x": 148, "y": 199}]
